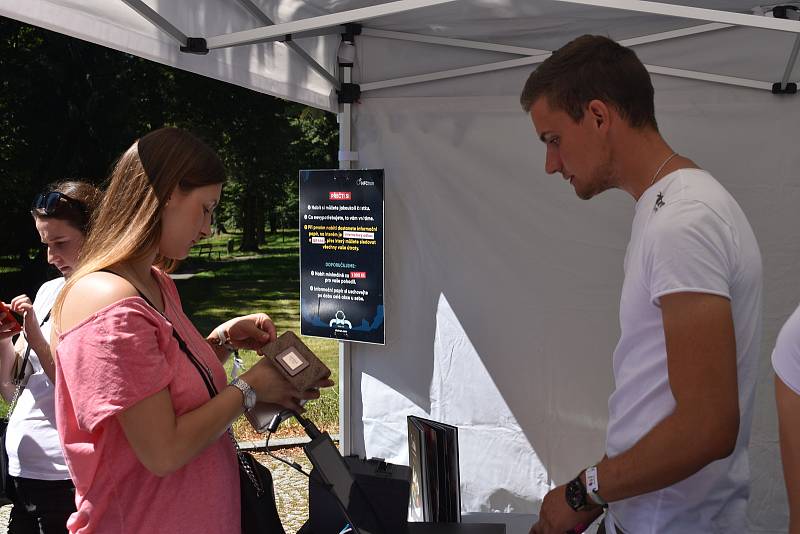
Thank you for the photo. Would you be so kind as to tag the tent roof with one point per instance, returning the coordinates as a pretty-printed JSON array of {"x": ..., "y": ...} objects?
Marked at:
[{"x": 517, "y": 33}]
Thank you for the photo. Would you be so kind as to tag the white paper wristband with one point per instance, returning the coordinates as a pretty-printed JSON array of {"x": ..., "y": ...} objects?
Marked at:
[
  {"x": 223, "y": 340},
  {"x": 593, "y": 486}
]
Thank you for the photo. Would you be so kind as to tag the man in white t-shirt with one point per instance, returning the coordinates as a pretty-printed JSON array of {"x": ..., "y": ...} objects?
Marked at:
[{"x": 690, "y": 312}]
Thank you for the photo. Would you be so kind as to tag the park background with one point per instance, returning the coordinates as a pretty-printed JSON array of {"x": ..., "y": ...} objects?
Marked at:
[{"x": 68, "y": 109}]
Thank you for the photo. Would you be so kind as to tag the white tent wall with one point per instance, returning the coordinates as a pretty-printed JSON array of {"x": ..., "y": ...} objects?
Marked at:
[{"x": 502, "y": 287}]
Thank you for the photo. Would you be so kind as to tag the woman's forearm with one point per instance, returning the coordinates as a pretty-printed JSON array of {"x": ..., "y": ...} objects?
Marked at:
[
  {"x": 7, "y": 357},
  {"x": 164, "y": 442}
]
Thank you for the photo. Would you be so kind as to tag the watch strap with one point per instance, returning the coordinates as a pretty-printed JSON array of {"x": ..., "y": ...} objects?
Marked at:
[
  {"x": 575, "y": 494},
  {"x": 249, "y": 396}
]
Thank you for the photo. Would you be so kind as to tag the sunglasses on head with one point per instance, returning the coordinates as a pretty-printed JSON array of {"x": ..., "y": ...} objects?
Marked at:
[{"x": 49, "y": 202}]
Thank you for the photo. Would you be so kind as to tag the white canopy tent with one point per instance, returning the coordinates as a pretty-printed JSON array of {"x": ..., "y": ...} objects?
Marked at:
[{"x": 501, "y": 287}]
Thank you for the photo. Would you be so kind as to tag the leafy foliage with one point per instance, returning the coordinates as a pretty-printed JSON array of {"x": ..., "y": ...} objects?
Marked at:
[{"x": 69, "y": 108}]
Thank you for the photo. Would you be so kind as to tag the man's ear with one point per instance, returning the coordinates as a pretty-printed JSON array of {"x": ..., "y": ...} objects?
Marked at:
[{"x": 599, "y": 113}]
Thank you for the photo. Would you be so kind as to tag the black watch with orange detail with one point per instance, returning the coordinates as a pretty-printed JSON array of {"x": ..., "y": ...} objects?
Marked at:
[{"x": 576, "y": 495}]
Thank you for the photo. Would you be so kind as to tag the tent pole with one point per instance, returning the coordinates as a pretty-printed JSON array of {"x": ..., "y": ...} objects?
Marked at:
[
  {"x": 320, "y": 25},
  {"x": 533, "y": 60},
  {"x": 525, "y": 51},
  {"x": 790, "y": 64},
  {"x": 262, "y": 17},
  {"x": 697, "y": 13},
  {"x": 346, "y": 157},
  {"x": 157, "y": 20}
]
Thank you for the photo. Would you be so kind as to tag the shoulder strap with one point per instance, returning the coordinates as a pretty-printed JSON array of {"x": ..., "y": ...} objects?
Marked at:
[
  {"x": 26, "y": 358},
  {"x": 205, "y": 373}
]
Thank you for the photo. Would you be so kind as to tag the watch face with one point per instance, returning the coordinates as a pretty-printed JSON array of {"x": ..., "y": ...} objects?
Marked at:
[
  {"x": 576, "y": 495},
  {"x": 250, "y": 399}
]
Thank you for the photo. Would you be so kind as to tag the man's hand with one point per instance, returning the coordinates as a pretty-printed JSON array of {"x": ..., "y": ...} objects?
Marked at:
[{"x": 556, "y": 516}]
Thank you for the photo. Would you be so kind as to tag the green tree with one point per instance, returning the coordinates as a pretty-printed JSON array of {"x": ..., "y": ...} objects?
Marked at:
[{"x": 68, "y": 108}]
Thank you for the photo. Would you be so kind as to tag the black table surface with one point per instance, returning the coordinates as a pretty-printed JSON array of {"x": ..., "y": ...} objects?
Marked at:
[{"x": 455, "y": 528}]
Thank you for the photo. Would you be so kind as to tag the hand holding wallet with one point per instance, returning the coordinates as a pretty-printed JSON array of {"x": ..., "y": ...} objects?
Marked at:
[{"x": 298, "y": 364}]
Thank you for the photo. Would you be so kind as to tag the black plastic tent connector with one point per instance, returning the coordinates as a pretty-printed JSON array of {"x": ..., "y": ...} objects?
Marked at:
[
  {"x": 350, "y": 32},
  {"x": 780, "y": 12},
  {"x": 195, "y": 45},
  {"x": 791, "y": 88},
  {"x": 349, "y": 93}
]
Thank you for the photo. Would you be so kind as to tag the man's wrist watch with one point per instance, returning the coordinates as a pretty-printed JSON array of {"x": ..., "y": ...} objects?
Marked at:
[
  {"x": 576, "y": 495},
  {"x": 248, "y": 394},
  {"x": 223, "y": 340},
  {"x": 593, "y": 486}
]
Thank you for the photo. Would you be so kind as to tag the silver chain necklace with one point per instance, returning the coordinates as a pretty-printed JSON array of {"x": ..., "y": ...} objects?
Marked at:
[{"x": 661, "y": 167}]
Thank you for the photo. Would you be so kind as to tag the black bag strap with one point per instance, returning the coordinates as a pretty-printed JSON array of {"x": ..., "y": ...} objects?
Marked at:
[
  {"x": 26, "y": 358},
  {"x": 17, "y": 380},
  {"x": 204, "y": 372}
]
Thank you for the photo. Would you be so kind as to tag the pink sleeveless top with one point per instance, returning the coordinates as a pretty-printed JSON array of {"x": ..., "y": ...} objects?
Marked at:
[{"x": 114, "y": 359}]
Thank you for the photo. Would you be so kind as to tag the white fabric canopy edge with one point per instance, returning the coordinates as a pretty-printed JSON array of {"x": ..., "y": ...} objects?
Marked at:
[{"x": 162, "y": 48}]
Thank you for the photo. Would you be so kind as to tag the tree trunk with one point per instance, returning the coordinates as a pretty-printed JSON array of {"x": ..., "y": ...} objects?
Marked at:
[
  {"x": 260, "y": 236},
  {"x": 273, "y": 219},
  {"x": 249, "y": 223}
]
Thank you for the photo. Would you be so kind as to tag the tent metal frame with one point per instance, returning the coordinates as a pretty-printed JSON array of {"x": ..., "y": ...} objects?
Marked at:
[
  {"x": 316, "y": 26},
  {"x": 157, "y": 20},
  {"x": 535, "y": 56},
  {"x": 262, "y": 17},
  {"x": 333, "y": 23}
]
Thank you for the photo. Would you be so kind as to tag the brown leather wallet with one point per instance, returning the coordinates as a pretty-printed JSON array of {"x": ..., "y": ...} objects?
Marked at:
[{"x": 295, "y": 361}]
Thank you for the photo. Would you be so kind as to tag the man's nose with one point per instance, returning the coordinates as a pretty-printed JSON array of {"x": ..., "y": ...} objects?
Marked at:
[
  {"x": 552, "y": 162},
  {"x": 51, "y": 257}
]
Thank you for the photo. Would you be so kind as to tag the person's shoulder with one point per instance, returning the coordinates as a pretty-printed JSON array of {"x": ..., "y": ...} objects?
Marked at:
[
  {"x": 786, "y": 354},
  {"x": 699, "y": 185},
  {"x": 789, "y": 335},
  {"x": 692, "y": 195},
  {"x": 92, "y": 293}
]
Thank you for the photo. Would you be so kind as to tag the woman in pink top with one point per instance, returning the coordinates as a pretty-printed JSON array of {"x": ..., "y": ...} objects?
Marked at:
[{"x": 145, "y": 444}]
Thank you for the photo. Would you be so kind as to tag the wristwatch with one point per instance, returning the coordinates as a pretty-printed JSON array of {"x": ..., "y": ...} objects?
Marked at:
[
  {"x": 576, "y": 495},
  {"x": 247, "y": 392},
  {"x": 223, "y": 340},
  {"x": 593, "y": 487}
]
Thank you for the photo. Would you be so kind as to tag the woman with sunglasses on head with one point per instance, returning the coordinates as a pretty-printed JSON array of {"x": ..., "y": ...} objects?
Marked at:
[
  {"x": 39, "y": 484},
  {"x": 147, "y": 445}
]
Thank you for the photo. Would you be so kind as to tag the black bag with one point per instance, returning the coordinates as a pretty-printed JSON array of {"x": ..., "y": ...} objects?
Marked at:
[
  {"x": 4, "y": 480},
  {"x": 259, "y": 513}
]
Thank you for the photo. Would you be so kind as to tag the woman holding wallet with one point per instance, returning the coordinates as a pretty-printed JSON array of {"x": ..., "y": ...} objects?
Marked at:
[
  {"x": 39, "y": 484},
  {"x": 146, "y": 445}
]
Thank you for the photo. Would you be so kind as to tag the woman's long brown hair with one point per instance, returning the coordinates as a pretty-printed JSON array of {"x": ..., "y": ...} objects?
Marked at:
[{"x": 126, "y": 227}]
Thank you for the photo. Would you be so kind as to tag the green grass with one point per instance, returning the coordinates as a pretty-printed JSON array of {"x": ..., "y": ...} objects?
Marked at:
[
  {"x": 242, "y": 283},
  {"x": 9, "y": 264}
]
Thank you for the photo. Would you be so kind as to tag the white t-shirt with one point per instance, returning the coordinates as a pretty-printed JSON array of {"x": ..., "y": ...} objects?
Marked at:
[
  {"x": 689, "y": 235},
  {"x": 786, "y": 356},
  {"x": 34, "y": 450}
]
